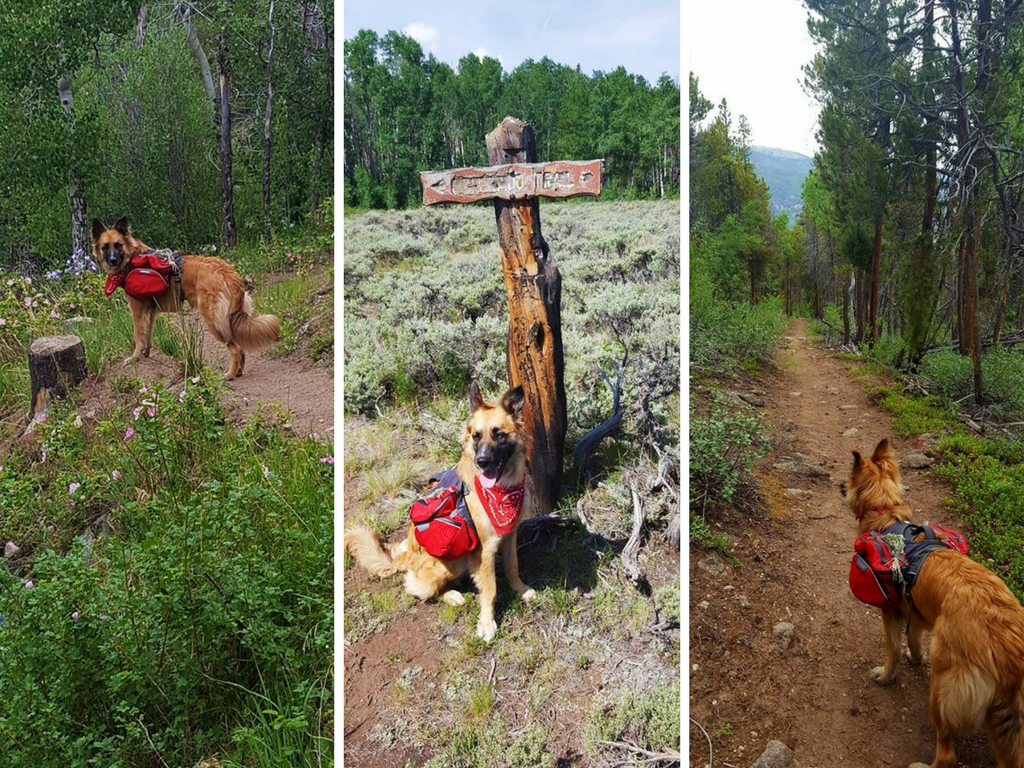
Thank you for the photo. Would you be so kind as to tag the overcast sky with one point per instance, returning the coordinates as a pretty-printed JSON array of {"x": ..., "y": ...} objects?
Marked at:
[
  {"x": 596, "y": 34},
  {"x": 751, "y": 52}
]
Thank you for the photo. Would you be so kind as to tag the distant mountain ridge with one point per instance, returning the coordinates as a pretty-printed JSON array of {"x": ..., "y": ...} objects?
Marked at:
[{"x": 784, "y": 173}]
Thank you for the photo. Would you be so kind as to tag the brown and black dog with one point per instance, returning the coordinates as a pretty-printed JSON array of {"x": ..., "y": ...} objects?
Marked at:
[
  {"x": 976, "y": 623},
  {"x": 495, "y": 445},
  {"x": 209, "y": 284}
]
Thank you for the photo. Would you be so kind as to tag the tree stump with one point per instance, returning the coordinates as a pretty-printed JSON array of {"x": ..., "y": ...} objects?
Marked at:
[
  {"x": 56, "y": 364},
  {"x": 533, "y": 287}
]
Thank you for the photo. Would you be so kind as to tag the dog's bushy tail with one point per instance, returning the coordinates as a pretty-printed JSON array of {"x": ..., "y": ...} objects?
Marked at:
[
  {"x": 251, "y": 333},
  {"x": 364, "y": 545}
]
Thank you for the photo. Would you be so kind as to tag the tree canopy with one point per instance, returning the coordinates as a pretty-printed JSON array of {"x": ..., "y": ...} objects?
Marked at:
[{"x": 406, "y": 112}]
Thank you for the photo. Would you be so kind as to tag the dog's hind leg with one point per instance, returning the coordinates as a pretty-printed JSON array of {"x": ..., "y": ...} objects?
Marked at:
[
  {"x": 453, "y": 597},
  {"x": 510, "y": 557},
  {"x": 425, "y": 585},
  {"x": 237, "y": 361},
  {"x": 1004, "y": 724},
  {"x": 945, "y": 754}
]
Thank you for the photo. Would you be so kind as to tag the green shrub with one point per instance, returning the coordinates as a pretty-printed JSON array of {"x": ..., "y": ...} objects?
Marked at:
[
  {"x": 950, "y": 372},
  {"x": 214, "y": 589},
  {"x": 726, "y": 442},
  {"x": 988, "y": 480},
  {"x": 831, "y": 330},
  {"x": 723, "y": 334}
]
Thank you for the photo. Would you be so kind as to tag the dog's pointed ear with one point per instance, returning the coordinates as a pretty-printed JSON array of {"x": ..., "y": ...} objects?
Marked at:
[
  {"x": 122, "y": 226},
  {"x": 882, "y": 451},
  {"x": 857, "y": 460},
  {"x": 513, "y": 401},
  {"x": 97, "y": 229},
  {"x": 475, "y": 400}
]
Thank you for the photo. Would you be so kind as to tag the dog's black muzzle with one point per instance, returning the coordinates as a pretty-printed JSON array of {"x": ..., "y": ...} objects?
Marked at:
[{"x": 491, "y": 460}]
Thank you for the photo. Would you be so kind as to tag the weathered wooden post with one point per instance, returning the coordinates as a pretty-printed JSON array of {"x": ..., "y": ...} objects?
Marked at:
[{"x": 533, "y": 284}]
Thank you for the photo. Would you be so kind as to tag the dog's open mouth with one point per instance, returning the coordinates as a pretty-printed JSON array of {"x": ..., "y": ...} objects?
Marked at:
[{"x": 489, "y": 477}]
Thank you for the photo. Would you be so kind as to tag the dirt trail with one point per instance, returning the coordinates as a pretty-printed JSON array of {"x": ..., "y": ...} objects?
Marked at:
[
  {"x": 301, "y": 387},
  {"x": 816, "y": 696}
]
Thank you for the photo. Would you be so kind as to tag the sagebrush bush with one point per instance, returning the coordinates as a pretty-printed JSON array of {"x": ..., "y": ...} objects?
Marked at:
[
  {"x": 424, "y": 323},
  {"x": 648, "y": 719}
]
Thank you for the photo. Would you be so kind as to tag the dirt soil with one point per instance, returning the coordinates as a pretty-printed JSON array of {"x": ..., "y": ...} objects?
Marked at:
[
  {"x": 304, "y": 389},
  {"x": 416, "y": 640},
  {"x": 792, "y": 565}
]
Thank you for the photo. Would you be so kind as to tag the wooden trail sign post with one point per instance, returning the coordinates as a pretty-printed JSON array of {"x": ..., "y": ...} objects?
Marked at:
[{"x": 533, "y": 284}]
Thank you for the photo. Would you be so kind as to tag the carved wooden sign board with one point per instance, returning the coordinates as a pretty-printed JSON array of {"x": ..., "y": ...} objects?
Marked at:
[{"x": 516, "y": 181}]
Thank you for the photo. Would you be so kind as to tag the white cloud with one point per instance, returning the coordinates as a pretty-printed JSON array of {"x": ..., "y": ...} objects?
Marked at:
[
  {"x": 480, "y": 53},
  {"x": 424, "y": 34}
]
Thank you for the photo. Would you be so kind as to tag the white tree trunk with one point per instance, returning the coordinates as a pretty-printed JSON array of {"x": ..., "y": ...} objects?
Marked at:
[{"x": 79, "y": 231}]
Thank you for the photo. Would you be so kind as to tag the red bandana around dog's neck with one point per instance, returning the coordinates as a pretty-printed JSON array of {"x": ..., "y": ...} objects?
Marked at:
[
  {"x": 502, "y": 505},
  {"x": 113, "y": 283}
]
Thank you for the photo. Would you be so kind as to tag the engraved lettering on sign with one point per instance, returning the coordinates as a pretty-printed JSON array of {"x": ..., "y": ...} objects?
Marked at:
[{"x": 558, "y": 180}]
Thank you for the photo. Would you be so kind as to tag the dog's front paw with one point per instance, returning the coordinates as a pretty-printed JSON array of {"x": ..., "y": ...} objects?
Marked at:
[
  {"x": 910, "y": 658},
  {"x": 920, "y": 765},
  {"x": 486, "y": 628},
  {"x": 453, "y": 596},
  {"x": 879, "y": 676},
  {"x": 529, "y": 595},
  {"x": 131, "y": 360}
]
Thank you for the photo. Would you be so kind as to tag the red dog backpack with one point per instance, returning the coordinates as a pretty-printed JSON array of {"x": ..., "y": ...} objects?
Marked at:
[
  {"x": 150, "y": 276},
  {"x": 879, "y": 572},
  {"x": 442, "y": 523},
  {"x": 876, "y": 572}
]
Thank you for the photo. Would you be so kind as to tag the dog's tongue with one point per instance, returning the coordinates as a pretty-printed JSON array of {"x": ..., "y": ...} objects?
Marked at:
[{"x": 487, "y": 481}]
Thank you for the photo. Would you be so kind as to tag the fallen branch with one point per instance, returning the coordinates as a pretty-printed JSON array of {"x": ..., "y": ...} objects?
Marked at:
[
  {"x": 586, "y": 445},
  {"x": 710, "y": 748},
  {"x": 632, "y": 548},
  {"x": 672, "y": 758}
]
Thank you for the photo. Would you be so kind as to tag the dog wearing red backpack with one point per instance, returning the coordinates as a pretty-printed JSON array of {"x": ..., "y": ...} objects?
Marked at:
[
  {"x": 442, "y": 543},
  {"x": 209, "y": 284},
  {"x": 977, "y": 624}
]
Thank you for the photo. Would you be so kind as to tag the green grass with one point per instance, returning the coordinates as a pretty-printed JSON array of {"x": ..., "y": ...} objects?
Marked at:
[{"x": 481, "y": 701}]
